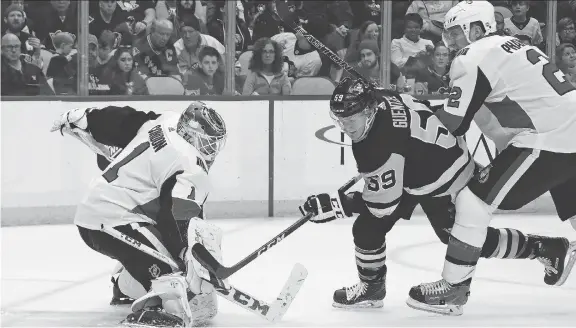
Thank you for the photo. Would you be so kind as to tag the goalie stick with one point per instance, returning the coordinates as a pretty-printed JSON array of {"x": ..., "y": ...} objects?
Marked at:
[
  {"x": 272, "y": 312},
  {"x": 209, "y": 262}
]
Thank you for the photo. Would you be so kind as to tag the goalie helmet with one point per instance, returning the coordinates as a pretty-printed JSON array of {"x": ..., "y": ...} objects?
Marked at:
[
  {"x": 203, "y": 128},
  {"x": 353, "y": 107},
  {"x": 461, "y": 16}
]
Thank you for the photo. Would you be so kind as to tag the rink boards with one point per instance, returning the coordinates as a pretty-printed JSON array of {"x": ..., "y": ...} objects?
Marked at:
[{"x": 277, "y": 153}]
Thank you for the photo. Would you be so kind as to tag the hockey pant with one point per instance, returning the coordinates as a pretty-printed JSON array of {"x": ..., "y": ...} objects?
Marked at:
[{"x": 516, "y": 177}]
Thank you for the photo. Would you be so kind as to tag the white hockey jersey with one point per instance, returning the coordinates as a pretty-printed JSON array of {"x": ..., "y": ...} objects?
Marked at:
[
  {"x": 158, "y": 168},
  {"x": 527, "y": 100}
]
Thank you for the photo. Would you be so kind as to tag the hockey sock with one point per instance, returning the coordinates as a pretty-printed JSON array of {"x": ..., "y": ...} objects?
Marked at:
[
  {"x": 371, "y": 264},
  {"x": 506, "y": 244}
]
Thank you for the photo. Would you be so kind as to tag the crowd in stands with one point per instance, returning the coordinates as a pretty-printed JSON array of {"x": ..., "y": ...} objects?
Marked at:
[{"x": 177, "y": 47}]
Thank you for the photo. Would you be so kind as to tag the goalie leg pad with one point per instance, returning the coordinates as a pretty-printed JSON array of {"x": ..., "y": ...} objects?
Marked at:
[{"x": 129, "y": 286}]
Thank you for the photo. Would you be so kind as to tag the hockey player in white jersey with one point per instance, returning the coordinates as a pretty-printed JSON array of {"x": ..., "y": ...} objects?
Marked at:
[
  {"x": 153, "y": 192},
  {"x": 407, "y": 157},
  {"x": 521, "y": 101}
]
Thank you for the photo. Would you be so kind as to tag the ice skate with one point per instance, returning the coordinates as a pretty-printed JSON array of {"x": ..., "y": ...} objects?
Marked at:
[
  {"x": 440, "y": 297},
  {"x": 119, "y": 298},
  {"x": 361, "y": 295},
  {"x": 558, "y": 256}
]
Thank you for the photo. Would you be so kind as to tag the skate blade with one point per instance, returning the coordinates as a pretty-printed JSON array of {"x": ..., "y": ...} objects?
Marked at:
[
  {"x": 451, "y": 310},
  {"x": 360, "y": 305},
  {"x": 569, "y": 265}
]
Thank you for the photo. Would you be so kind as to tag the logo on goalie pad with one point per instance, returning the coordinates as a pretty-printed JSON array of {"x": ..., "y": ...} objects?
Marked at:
[
  {"x": 484, "y": 174},
  {"x": 154, "y": 271}
]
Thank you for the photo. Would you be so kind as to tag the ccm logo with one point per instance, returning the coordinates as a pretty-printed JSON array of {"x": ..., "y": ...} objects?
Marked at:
[
  {"x": 271, "y": 243},
  {"x": 245, "y": 300}
]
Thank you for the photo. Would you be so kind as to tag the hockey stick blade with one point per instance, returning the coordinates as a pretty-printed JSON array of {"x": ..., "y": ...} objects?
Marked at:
[
  {"x": 205, "y": 258},
  {"x": 275, "y": 311}
]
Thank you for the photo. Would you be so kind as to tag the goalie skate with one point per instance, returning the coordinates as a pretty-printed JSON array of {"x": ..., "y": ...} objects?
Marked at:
[
  {"x": 152, "y": 317},
  {"x": 361, "y": 295}
]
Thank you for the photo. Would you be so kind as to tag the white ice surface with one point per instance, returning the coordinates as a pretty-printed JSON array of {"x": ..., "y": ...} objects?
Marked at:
[{"x": 51, "y": 278}]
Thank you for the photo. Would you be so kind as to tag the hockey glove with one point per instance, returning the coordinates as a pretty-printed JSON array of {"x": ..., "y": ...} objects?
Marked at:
[{"x": 325, "y": 207}]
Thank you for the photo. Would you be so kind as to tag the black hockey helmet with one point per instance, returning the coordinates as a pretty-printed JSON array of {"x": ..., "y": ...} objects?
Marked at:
[{"x": 351, "y": 97}]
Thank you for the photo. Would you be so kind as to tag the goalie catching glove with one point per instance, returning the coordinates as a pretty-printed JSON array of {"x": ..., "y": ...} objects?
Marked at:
[{"x": 327, "y": 207}]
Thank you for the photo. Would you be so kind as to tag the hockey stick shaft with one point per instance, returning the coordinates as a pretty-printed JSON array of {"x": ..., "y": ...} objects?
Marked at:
[
  {"x": 203, "y": 256},
  {"x": 270, "y": 312},
  {"x": 324, "y": 50}
]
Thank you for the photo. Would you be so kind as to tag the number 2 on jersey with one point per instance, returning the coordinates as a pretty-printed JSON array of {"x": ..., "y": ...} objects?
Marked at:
[
  {"x": 549, "y": 72},
  {"x": 112, "y": 173}
]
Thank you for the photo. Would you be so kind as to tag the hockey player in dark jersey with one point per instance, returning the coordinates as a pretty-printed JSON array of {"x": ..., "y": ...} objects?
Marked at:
[{"x": 406, "y": 157}]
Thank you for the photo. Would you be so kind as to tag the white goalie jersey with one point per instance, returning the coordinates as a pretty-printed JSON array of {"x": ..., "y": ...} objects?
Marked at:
[
  {"x": 515, "y": 94},
  {"x": 157, "y": 176}
]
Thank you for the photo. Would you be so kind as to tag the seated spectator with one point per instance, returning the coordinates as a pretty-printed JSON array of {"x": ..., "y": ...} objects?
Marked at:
[
  {"x": 121, "y": 75},
  {"x": 96, "y": 85},
  {"x": 306, "y": 58},
  {"x": 53, "y": 16},
  {"x": 130, "y": 18},
  {"x": 266, "y": 76},
  {"x": 24, "y": 7},
  {"x": 435, "y": 78},
  {"x": 364, "y": 10},
  {"x": 566, "y": 31},
  {"x": 179, "y": 10},
  {"x": 19, "y": 77},
  {"x": 368, "y": 31},
  {"x": 521, "y": 23},
  {"x": 432, "y": 14},
  {"x": 107, "y": 43},
  {"x": 64, "y": 76},
  {"x": 499, "y": 23},
  {"x": 265, "y": 23},
  {"x": 192, "y": 41},
  {"x": 369, "y": 66},
  {"x": 411, "y": 45},
  {"x": 206, "y": 79},
  {"x": 566, "y": 61},
  {"x": 216, "y": 29},
  {"x": 153, "y": 54},
  {"x": 15, "y": 21},
  {"x": 525, "y": 39}
]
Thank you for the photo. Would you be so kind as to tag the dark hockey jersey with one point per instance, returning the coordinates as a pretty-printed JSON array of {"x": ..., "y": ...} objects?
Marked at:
[{"x": 409, "y": 150}]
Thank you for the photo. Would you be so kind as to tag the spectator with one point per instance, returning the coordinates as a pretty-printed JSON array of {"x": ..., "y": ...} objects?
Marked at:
[
  {"x": 566, "y": 61},
  {"x": 63, "y": 75},
  {"x": 525, "y": 39},
  {"x": 15, "y": 20},
  {"x": 180, "y": 11},
  {"x": 107, "y": 43},
  {"x": 266, "y": 76},
  {"x": 96, "y": 85},
  {"x": 130, "y": 18},
  {"x": 216, "y": 29},
  {"x": 19, "y": 77},
  {"x": 59, "y": 15},
  {"x": 435, "y": 78},
  {"x": 306, "y": 58},
  {"x": 369, "y": 65},
  {"x": 432, "y": 14},
  {"x": 121, "y": 75},
  {"x": 265, "y": 23},
  {"x": 369, "y": 30},
  {"x": 410, "y": 47},
  {"x": 192, "y": 41},
  {"x": 521, "y": 23},
  {"x": 364, "y": 10},
  {"x": 153, "y": 54},
  {"x": 28, "y": 22},
  {"x": 206, "y": 79},
  {"x": 499, "y": 23},
  {"x": 566, "y": 31}
]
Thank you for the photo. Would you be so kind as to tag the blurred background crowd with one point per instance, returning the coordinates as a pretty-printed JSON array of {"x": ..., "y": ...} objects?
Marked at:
[{"x": 177, "y": 47}]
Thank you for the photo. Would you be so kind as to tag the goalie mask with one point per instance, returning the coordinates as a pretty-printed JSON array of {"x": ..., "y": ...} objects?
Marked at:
[
  {"x": 353, "y": 108},
  {"x": 203, "y": 128}
]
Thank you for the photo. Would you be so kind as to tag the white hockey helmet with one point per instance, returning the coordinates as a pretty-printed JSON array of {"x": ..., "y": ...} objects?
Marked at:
[
  {"x": 203, "y": 128},
  {"x": 467, "y": 12}
]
